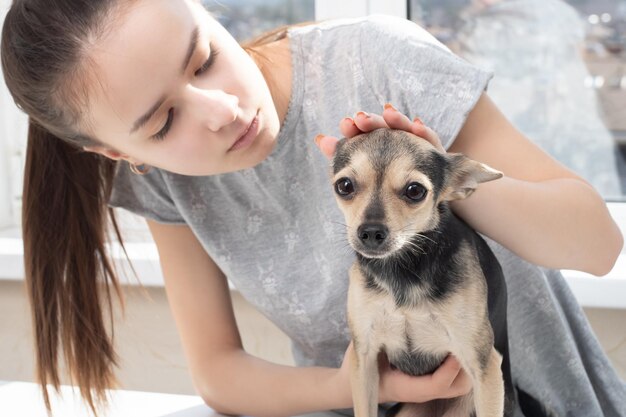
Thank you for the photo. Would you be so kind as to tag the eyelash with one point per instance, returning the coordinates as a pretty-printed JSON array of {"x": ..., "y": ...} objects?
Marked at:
[{"x": 160, "y": 135}]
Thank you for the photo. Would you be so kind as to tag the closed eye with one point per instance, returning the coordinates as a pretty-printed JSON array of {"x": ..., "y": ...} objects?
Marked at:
[
  {"x": 209, "y": 62},
  {"x": 160, "y": 135}
]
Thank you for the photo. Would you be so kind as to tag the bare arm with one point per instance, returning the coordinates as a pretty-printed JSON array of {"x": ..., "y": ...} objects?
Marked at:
[
  {"x": 228, "y": 379},
  {"x": 540, "y": 210}
]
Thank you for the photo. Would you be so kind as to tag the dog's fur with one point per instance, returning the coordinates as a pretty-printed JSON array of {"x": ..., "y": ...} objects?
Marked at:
[{"x": 424, "y": 284}]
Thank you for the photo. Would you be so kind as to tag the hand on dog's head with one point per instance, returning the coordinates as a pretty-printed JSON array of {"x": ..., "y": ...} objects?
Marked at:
[{"x": 389, "y": 185}]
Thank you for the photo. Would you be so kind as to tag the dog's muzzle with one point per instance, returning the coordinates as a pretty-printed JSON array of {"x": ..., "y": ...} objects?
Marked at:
[{"x": 372, "y": 237}]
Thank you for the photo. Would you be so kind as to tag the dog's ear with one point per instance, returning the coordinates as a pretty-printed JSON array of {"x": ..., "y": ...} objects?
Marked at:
[{"x": 464, "y": 175}]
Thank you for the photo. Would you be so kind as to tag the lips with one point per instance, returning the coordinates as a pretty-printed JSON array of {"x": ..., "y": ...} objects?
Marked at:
[{"x": 247, "y": 135}]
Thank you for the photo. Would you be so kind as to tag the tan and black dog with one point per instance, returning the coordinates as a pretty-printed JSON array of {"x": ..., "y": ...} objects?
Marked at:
[{"x": 424, "y": 284}]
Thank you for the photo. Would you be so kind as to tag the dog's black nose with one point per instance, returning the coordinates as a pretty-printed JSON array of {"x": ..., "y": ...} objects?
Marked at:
[{"x": 372, "y": 235}]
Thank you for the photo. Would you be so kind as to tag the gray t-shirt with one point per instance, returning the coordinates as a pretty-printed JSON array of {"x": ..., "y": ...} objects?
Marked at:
[{"x": 275, "y": 230}]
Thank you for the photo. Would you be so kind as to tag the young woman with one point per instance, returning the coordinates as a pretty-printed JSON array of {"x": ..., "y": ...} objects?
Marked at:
[{"x": 220, "y": 144}]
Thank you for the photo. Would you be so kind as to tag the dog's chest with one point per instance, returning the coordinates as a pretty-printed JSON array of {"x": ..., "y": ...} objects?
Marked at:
[
  {"x": 415, "y": 337},
  {"x": 375, "y": 317}
]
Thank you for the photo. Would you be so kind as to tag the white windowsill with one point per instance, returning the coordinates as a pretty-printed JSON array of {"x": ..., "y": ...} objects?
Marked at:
[
  {"x": 144, "y": 257},
  {"x": 24, "y": 399},
  {"x": 608, "y": 291}
]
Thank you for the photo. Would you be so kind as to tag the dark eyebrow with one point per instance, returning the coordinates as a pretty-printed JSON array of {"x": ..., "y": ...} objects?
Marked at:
[{"x": 195, "y": 34}]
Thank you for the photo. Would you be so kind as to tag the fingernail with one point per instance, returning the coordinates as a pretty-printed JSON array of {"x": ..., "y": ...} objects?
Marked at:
[
  {"x": 362, "y": 113},
  {"x": 389, "y": 106},
  {"x": 418, "y": 120},
  {"x": 348, "y": 119},
  {"x": 318, "y": 138}
]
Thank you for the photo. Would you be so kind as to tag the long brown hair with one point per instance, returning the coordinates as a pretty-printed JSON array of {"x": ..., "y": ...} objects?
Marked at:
[{"x": 65, "y": 218}]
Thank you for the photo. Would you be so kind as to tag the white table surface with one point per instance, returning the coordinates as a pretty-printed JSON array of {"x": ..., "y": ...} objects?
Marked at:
[{"x": 24, "y": 399}]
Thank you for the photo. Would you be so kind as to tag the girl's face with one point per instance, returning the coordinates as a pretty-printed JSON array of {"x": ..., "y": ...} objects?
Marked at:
[{"x": 174, "y": 90}]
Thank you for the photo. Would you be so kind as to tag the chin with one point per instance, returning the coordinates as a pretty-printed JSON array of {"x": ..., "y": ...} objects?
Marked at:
[{"x": 266, "y": 142}]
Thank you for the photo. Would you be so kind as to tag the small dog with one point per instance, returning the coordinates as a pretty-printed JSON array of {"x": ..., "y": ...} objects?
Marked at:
[{"x": 424, "y": 284}]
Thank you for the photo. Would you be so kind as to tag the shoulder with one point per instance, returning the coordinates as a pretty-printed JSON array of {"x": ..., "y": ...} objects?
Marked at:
[
  {"x": 374, "y": 40},
  {"x": 147, "y": 195}
]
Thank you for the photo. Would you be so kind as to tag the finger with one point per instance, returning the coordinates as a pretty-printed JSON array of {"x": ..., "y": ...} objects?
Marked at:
[
  {"x": 350, "y": 349},
  {"x": 448, "y": 381},
  {"x": 462, "y": 385},
  {"x": 396, "y": 120},
  {"x": 347, "y": 357},
  {"x": 367, "y": 122},
  {"x": 418, "y": 128},
  {"x": 447, "y": 372},
  {"x": 403, "y": 387},
  {"x": 327, "y": 144},
  {"x": 407, "y": 388},
  {"x": 348, "y": 128}
]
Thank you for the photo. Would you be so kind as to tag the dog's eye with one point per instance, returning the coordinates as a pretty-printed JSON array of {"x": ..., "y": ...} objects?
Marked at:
[
  {"x": 415, "y": 191},
  {"x": 344, "y": 186}
]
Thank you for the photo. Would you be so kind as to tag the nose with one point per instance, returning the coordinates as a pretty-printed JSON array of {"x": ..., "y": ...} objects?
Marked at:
[
  {"x": 372, "y": 235},
  {"x": 214, "y": 108}
]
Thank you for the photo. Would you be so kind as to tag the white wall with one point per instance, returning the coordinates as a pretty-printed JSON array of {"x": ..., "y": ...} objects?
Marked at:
[{"x": 329, "y": 9}]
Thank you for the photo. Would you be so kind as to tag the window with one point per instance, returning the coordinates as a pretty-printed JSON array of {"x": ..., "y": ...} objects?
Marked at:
[
  {"x": 246, "y": 19},
  {"x": 560, "y": 73}
]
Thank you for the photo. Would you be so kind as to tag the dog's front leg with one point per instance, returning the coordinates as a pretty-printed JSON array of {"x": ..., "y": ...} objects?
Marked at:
[
  {"x": 489, "y": 391},
  {"x": 364, "y": 379}
]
